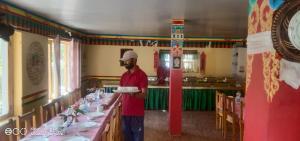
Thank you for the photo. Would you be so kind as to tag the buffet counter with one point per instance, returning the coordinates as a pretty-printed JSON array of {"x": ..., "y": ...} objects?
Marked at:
[{"x": 195, "y": 98}]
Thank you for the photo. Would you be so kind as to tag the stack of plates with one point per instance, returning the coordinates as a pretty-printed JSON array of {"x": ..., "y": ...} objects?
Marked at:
[
  {"x": 127, "y": 90},
  {"x": 84, "y": 126},
  {"x": 93, "y": 115}
]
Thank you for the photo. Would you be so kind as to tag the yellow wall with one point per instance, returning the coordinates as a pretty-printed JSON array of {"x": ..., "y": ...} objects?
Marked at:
[
  {"x": 103, "y": 60},
  {"x": 16, "y": 43},
  {"x": 22, "y": 84}
]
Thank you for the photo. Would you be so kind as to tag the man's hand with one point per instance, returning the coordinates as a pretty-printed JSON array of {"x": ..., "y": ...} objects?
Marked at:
[{"x": 141, "y": 94}]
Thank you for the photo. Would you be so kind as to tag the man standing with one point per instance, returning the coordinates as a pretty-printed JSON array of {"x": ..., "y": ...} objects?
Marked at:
[{"x": 133, "y": 104}]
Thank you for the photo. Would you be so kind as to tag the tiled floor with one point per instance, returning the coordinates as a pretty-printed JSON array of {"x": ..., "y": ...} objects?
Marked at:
[{"x": 196, "y": 126}]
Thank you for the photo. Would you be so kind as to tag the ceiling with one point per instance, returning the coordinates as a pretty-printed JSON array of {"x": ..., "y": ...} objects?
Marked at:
[{"x": 203, "y": 18}]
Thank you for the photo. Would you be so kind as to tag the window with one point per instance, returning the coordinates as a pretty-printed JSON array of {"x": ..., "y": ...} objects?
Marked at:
[
  {"x": 64, "y": 67},
  {"x": 59, "y": 79},
  {"x": 164, "y": 57},
  {"x": 4, "y": 105},
  {"x": 189, "y": 59}
]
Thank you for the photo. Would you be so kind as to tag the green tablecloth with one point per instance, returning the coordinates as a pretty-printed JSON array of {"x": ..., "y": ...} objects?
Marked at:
[
  {"x": 157, "y": 99},
  {"x": 193, "y": 99}
]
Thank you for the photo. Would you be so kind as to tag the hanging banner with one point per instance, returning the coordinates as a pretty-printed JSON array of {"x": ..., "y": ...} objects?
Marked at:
[
  {"x": 156, "y": 59},
  {"x": 202, "y": 63}
]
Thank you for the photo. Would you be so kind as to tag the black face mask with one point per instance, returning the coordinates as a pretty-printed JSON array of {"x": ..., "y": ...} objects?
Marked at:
[{"x": 129, "y": 66}]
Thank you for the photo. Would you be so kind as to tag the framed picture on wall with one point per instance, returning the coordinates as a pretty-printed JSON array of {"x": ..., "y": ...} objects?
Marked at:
[
  {"x": 123, "y": 50},
  {"x": 176, "y": 62}
]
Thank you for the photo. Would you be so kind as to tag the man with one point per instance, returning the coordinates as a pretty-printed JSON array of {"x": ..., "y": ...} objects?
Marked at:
[{"x": 133, "y": 104}]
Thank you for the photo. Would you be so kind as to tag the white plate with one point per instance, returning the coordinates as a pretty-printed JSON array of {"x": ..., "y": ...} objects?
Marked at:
[
  {"x": 83, "y": 126},
  {"x": 35, "y": 138},
  {"x": 76, "y": 138},
  {"x": 95, "y": 114},
  {"x": 118, "y": 91},
  {"x": 54, "y": 124}
]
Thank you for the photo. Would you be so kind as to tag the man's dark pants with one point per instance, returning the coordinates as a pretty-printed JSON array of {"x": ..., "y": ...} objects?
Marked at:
[{"x": 133, "y": 128}]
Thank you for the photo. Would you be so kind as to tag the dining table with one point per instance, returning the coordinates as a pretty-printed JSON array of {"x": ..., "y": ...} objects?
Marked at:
[{"x": 85, "y": 129}]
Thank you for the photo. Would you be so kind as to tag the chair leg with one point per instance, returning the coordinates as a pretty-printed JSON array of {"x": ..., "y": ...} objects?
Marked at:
[
  {"x": 233, "y": 131},
  {"x": 225, "y": 128},
  {"x": 221, "y": 122},
  {"x": 241, "y": 132},
  {"x": 217, "y": 120}
]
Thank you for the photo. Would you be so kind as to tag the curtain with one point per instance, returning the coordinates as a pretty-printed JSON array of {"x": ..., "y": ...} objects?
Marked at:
[
  {"x": 55, "y": 68},
  {"x": 74, "y": 65},
  {"x": 202, "y": 63}
]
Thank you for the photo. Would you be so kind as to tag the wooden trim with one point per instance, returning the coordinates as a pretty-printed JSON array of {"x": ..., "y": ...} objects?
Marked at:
[
  {"x": 163, "y": 38},
  {"x": 34, "y": 94},
  {"x": 34, "y": 100}
]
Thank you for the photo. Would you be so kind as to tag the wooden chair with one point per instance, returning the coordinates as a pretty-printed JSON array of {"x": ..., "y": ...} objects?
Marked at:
[
  {"x": 230, "y": 116},
  {"x": 104, "y": 136},
  {"x": 241, "y": 120},
  {"x": 26, "y": 121},
  {"x": 47, "y": 111},
  {"x": 118, "y": 122},
  {"x": 11, "y": 124},
  {"x": 61, "y": 103},
  {"x": 112, "y": 129},
  {"x": 219, "y": 110},
  {"x": 74, "y": 96}
]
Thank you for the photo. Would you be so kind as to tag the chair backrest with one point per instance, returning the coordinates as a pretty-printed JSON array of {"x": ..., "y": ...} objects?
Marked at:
[
  {"x": 105, "y": 134},
  {"x": 47, "y": 111},
  {"x": 26, "y": 121},
  {"x": 229, "y": 105},
  {"x": 219, "y": 101},
  {"x": 75, "y": 96},
  {"x": 112, "y": 129},
  {"x": 242, "y": 106},
  {"x": 61, "y": 103},
  {"x": 11, "y": 124}
]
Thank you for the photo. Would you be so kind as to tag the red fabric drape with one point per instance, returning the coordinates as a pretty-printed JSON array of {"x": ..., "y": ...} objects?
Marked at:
[
  {"x": 202, "y": 62},
  {"x": 156, "y": 60}
]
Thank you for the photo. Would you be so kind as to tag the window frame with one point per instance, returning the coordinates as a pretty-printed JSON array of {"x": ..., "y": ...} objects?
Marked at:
[
  {"x": 66, "y": 44},
  {"x": 167, "y": 51},
  {"x": 10, "y": 82}
]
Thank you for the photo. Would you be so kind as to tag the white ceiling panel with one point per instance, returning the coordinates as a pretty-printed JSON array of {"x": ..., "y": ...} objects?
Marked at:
[{"x": 204, "y": 18}]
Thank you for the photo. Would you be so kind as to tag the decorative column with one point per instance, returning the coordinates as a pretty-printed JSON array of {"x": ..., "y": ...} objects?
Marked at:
[
  {"x": 271, "y": 105},
  {"x": 175, "y": 93}
]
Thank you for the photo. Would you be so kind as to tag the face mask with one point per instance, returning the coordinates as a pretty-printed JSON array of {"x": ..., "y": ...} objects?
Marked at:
[{"x": 129, "y": 66}]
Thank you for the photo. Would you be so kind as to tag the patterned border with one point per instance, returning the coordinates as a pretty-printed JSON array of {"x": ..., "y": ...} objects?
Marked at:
[
  {"x": 250, "y": 59},
  {"x": 271, "y": 66}
]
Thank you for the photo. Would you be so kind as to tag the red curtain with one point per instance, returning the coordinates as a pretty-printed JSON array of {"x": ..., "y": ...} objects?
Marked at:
[
  {"x": 202, "y": 62},
  {"x": 156, "y": 59}
]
